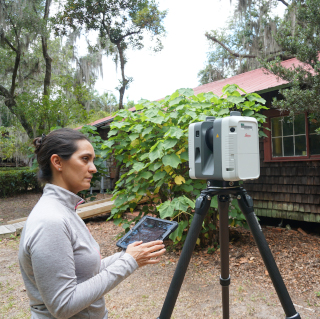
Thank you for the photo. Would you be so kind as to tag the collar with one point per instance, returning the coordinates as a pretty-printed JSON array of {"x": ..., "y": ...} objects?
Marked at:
[{"x": 66, "y": 197}]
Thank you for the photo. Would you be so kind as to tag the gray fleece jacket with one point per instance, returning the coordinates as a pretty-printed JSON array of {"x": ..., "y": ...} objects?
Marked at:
[{"x": 61, "y": 264}]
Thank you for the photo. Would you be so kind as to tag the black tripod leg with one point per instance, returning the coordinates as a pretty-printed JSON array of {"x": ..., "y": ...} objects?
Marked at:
[
  {"x": 246, "y": 206},
  {"x": 223, "y": 207},
  {"x": 202, "y": 207}
]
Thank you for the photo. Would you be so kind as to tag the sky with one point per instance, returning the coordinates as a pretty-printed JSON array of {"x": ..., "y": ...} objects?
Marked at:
[{"x": 156, "y": 75}]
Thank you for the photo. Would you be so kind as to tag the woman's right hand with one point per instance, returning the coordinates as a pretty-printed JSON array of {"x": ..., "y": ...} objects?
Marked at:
[{"x": 144, "y": 254}]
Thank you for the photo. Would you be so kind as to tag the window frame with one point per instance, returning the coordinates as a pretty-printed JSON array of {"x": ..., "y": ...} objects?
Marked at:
[{"x": 271, "y": 113}]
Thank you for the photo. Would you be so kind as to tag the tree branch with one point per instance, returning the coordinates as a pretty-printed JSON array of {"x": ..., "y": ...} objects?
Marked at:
[
  {"x": 128, "y": 34},
  {"x": 272, "y": 55},
  {"x": 4, "y": 92},
  {"x": 237, "y": 55},
  {"x": 284, "y": 2},
  {"x": 11, "y": 104},
  {"x": 9, "y": 44}
]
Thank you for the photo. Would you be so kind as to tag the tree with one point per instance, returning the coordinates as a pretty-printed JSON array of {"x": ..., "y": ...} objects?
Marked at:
[
  {"x": 19, "y": 25},
  {"x": 40, "y": 83},
  {"x": 123, "y": 23},
  {"x": 248, "y": 38},
  {"x": 299, "y": 35}
]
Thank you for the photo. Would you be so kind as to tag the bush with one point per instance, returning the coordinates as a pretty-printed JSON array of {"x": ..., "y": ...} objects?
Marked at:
[
  {"x": 13, "y": 168},
  {"x": 15, "y": 181},
  {"x": 153, "y": 144}
]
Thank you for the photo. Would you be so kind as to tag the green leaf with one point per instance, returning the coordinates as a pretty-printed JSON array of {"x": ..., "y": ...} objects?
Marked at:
[
  {"x": 118, "y": 221},
  {"x": 108, "y": 143},
  {"x": 192, "y": 114},
  {"x": 177, "y": 234},
  {"x": 171, "y": 160},
  {"x": 155, "y": 166},
  {"x": 169, "y": 143},
  {"x": 166, "y": 209},
  {"x": 184, "y": 156},
  {"x": 147, "y": 131},
  {"x": 174, "y": 132},
  {"x": 262, "y": 134},
  {"x": 247, "y": 113},
  {"x": 157, "y": 120},
  {"x": 235, "y": 99},
  {"x": 223, "y": 111},
  {"x": 187, "y": 188},
  {"x": 159, "y": 175},
  {"x": 138, "y": 166},
  {"x": 133, "y": 136},
  {"x": 112, "y": 132},
  {"x": 255, "y": 97},
  {"x": 157, "y": 153},
  {"x": 138, "y": 128},
  {"x": 139, "y": 107},
  {"x": 229, "y": 88},
  {"x": 146, "y": 175},
  {"x": 214, "y": 202},
  {"x": 176, "y": 101},
  {"x": 119, "y": 124},
  {"x": 186, "y": 92},
  {"x": 144, "y": 156}
]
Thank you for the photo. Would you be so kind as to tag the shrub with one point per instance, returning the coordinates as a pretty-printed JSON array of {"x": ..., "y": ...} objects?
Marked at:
[
  {"x": 153, "y": 144},
  {"x": 13, "y": 168},
  {"x": 17, "y": 181}
]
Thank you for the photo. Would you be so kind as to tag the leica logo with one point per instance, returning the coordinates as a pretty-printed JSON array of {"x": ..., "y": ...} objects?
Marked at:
[{"x": 247, "y": 135}]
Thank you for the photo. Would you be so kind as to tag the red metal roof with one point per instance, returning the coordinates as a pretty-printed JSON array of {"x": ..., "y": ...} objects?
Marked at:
[{"x": 253, "y": 81}]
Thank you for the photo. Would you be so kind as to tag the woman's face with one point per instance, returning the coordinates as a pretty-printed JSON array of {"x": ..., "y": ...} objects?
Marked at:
[{"x": 77, "y": 171}]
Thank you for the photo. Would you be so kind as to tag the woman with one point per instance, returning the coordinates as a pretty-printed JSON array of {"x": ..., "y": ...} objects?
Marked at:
[{"x": 60, "y": 261}]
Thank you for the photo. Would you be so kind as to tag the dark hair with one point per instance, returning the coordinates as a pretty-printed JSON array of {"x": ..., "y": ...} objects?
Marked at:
[{"x": 61, "y": 142}]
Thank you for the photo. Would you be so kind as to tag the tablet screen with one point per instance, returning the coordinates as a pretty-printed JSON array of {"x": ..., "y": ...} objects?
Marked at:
[{"x": 149, "y": 230}]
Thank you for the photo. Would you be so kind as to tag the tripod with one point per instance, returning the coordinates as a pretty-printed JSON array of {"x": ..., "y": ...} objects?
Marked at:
[{"x": 222, "y": 189}]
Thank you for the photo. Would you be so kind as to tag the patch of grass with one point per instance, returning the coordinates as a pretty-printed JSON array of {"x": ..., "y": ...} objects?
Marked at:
[
  {"x": 5, "y": 308},
  {"x": 22, "y": 315},
  {"x": 240, "y": 289}
]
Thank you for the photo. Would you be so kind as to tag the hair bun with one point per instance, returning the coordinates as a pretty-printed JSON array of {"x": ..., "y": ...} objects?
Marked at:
[{"x": 37, "y": 142}]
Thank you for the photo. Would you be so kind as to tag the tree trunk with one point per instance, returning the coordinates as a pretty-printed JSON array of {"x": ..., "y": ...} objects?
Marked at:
[
  {"x": 11, "y": 104},
  {"x": 9, "y": 94},
  {"x": 124, "y": 80},
  {"x": 48, "y": 60}
]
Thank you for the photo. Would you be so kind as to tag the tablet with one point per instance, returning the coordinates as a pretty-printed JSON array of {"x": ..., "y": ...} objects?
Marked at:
[{"x": 148, "y": 229}]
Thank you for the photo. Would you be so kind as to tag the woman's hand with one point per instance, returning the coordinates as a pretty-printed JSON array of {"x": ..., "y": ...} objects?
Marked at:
[{"x": 144, "y": 254}]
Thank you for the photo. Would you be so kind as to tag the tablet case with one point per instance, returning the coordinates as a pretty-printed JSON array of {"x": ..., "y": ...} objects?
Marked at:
[{"x": 148, "y": 229}]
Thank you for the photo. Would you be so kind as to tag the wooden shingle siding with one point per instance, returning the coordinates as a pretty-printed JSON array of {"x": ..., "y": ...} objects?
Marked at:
[{"x": 289, "y": 190}]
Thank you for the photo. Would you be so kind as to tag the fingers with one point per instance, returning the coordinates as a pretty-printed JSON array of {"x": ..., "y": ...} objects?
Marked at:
[
  {"x": 157, "y": 253},
  {"x": 152, "y": 243},
  {"x": 136, "y": 243}
]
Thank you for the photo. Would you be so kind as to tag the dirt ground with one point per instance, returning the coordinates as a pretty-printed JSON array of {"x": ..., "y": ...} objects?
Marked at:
[{"x": 142, "y": 294}]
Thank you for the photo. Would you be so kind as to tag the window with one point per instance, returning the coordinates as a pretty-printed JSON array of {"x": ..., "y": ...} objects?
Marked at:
[
  {"x": 314, "y": 138},
  {"x": 288, "y": 136},
  {"x": 291, "y": 138}
]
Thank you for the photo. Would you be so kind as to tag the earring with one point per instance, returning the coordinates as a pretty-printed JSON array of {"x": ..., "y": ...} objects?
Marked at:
[{"x": 59, "y": 169}]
